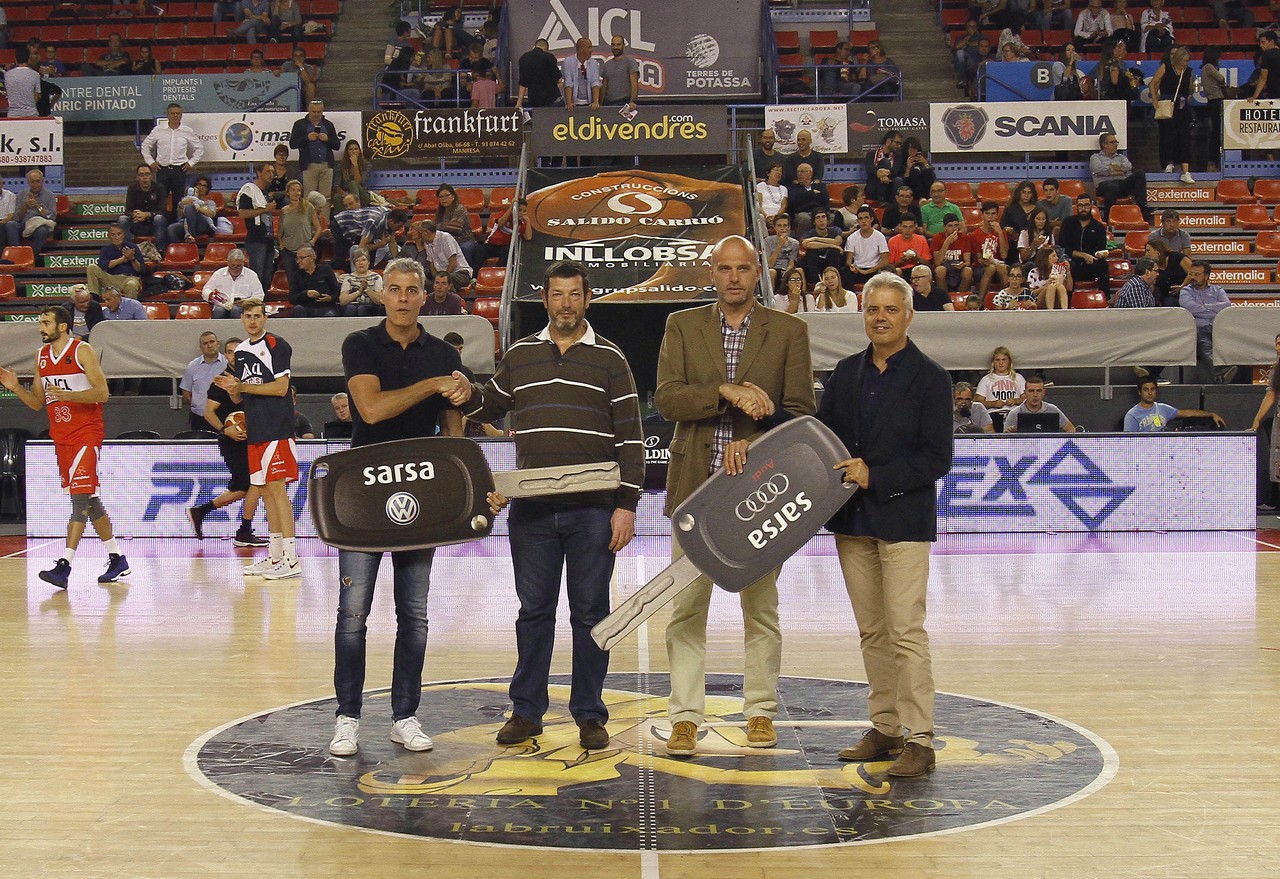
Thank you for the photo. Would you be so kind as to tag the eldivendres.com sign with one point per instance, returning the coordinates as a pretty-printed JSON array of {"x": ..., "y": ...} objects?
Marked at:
[{"x": 655, "y": 131}]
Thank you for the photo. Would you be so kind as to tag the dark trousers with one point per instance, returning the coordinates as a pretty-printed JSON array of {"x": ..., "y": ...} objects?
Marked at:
[
  {"x": 411, "y": 579},
  {"x": 1095, "y": 271},
  {"x": 546, "y": 541},
  {"x": 1134, "y": 186},
  {"x": 174, "y": 181}
]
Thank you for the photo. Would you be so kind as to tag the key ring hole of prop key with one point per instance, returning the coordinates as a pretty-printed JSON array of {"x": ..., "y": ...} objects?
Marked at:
[
  {"x": 319, "y": 471},
  {"x": 686, "y": 523},
  {"x": 479, "y": 523}
]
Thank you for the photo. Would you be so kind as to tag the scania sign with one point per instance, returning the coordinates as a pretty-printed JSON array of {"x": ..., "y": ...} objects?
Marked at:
[{"x": 1027, "y": 126}]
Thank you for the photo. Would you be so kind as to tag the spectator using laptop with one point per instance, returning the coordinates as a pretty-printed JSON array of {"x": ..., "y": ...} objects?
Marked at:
[{"x": 1033, "y": 404}]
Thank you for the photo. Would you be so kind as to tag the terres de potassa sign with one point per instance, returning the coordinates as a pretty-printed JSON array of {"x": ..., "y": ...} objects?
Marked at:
[{"x": 653, "y": 131}]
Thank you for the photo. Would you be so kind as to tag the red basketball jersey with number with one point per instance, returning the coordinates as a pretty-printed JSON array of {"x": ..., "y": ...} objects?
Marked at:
[{"x": 78, "y": 424}]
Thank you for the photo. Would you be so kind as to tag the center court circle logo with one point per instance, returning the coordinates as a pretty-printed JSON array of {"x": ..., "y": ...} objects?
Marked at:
[
  {"x": 402, "y": 508},
  {"x": 996, "y": 763}
]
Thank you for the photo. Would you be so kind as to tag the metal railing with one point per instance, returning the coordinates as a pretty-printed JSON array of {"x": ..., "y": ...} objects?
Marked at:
[
  {"x": 822, "y": 82},
  {"x": 411, "y": 95}
]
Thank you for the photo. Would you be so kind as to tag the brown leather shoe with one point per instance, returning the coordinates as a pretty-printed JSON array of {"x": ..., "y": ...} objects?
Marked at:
[
  {"x": 760, "y": 733},
  {"x": 518, "y": 729},
  {"x": 915, "y": 760},
  {"x": 683, "y": 740},
  {"x": 874, "y": 744},
  {"x": 592, "y": 735}
]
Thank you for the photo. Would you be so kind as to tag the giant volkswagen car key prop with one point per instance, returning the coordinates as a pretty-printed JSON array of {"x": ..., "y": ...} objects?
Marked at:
[
  {"x": 420, "y": 493},
  {"x": 736, "y": 528}
]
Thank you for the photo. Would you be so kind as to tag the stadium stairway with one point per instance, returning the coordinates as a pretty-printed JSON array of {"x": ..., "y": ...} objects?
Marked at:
[
  {"x": 101, "y": 160},
  {"x": 910, "y": 36},
  {"x": 355, "y": 55}
]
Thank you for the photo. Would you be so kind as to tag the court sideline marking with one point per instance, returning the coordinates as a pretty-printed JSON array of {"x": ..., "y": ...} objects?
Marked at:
[
  {"x": 14, "y": 555},
  {"x": 645, "y": 772}
]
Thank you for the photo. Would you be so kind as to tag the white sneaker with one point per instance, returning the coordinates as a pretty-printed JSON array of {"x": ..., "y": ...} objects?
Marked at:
[
  {"x": 284, "y": 570},
  {"x": 260, "y": 567},
  {"x": 408, "y": 732},
  {"x": 1187, "y": 178},
  {"x": 345, "y": 733}
]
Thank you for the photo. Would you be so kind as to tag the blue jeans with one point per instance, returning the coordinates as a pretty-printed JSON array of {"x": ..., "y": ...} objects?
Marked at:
[
  {"x": 411, "y": 579},
  {"x": 13, "y": 234},
  {"x": 261, "y": 257},
  {"x": 543, "y": 538}
]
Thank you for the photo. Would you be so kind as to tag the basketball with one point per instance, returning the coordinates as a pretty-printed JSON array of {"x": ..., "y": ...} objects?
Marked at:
[
  {"x": 616, "y": 204},
  {"x": 235, "y": 419}
]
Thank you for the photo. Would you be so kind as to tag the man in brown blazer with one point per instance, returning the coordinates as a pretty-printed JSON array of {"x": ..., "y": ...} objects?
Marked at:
[{"x": 727, "y": 372}]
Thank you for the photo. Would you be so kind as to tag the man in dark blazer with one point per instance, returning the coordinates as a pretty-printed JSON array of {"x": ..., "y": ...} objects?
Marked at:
[
  {"x": 727, "y": 372},
  {"x": 891, "y": 406},
  {"x": 316, "y": 141}
]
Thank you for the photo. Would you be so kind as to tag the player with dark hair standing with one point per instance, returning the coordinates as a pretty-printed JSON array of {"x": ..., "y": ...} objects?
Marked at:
[{"x": 74, "y": 389}]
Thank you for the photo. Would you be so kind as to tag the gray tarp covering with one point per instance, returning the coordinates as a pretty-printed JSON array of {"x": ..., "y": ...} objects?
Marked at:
[
  {"x": 1245, "y": 336},
  {"x": 163, "y": 348},
  {"x": 1038, "y": 339}
]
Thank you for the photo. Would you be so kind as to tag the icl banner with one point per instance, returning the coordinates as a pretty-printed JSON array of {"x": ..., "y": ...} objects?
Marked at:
[
  {"x": 31, "y": 141},
  {"x": 683, "y": 51},
  {"x": 1029, "y": 126},
  {"x": 1247, "y": 125},
  {"x": 253, "y": 137},
  {"x": 827, "y": 124}
]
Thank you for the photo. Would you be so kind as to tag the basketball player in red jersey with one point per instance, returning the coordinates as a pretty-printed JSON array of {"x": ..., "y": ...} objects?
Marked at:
[
  {"x": 74, "y": 389},
  {"x": 262, "y": 372}
]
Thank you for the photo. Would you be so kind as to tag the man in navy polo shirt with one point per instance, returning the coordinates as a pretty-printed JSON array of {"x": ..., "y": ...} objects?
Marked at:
[{"x": 389, "y": 369}]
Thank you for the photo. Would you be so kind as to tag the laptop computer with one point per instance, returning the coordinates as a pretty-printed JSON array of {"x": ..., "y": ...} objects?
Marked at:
[{"x": 1038, "y": 422}]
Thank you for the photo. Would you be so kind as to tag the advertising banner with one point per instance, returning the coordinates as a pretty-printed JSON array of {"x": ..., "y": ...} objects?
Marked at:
[
  {"x": 30, "y": 141},
  {"x": 646, "y": 236},
  {"x": 252, "y": 137},
  {"x": 681, "y": 54},
  {"x": 653, "y": 131},
  {"x": 1099, "y": 483},
  {"x": 444, "y": 134},
  {"x": 1017, "y": 127},
  {"x": 868, "y": 124},
  {"x": 86, "y": 98},
  {"x": 1250, "y": 126},
  {"x": 828, "y": 124}
]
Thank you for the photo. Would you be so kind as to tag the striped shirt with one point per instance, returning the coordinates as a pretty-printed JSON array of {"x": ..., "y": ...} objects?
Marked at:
[
  {"x": 579, "y": 407},
  {"x": 734, "y": 342}
]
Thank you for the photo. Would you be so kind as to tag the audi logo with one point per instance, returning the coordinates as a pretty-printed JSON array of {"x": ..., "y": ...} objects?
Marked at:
[
  {"x": 758, "y": 501},
  {"x": 402, "y": 508}
]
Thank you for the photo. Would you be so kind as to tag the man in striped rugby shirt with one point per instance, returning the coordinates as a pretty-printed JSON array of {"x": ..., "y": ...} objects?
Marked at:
[{"x": 572, "y": 400}]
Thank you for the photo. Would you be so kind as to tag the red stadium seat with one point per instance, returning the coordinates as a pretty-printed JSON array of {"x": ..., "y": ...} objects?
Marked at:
[
  {"x": 1088, "y": 299},
  {"x": 1267, "y": 191},
  {"x": 823, "y": 40},
  {"x": 1235, "y": 192},
  {"x": 486, "y": 307},
  {"x": 181, "y": 257},
  {"x": 994, "y": 190},
  {"x": 860, "y": 38},
  {"x": 1135, "y": 243},
  {"x": 8, "y": 288},
  {"x": 961, "y": 193},
  {"x": 426, "y": 200},
  {"x": 64, "y": 207},
  {"x": 501, "y": 196},
  {"x": 959, "y": 300},
  {"x": 788, "y": 40},
  {"x": 1128, "y": 218},
  {"x": 1254, "y": 216},
  {"x": 198, "y": 280},
  {"x": 490, "y": 280},
  {"x": 972, "y": 217},
  {"x": 471, "y": 198},
  {"x": 193, "y": 311},
  {"x": 1268, "y": 243},
  {"x": 1119, "y": 268},
  {"x": 279, "y": 284},
  {"x": 17, "y": 258},
  {"x": 1071, "y": 188},
  {"x": 215, "y": 255},
  {"x": 156, "y": 310}
]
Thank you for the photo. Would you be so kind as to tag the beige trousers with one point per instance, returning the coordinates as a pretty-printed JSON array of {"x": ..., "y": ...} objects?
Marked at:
[
  {"x": 687, "y": 647},
  {"x": 887, "y": 583},
  {"x": 96, "y": 278}
]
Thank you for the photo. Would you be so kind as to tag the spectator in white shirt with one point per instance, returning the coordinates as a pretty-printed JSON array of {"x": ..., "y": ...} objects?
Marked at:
[
  {"x": 22, "y": 86},
  {"x": 172, "y": 149},
  {"x": 231, "y": 285},
  {"x": 438, "y": 251}
]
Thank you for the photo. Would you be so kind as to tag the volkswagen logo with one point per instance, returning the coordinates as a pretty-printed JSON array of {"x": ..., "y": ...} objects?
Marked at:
[
  {"x": 759, "y": 500},
  {"x": 402, "y": 508}
]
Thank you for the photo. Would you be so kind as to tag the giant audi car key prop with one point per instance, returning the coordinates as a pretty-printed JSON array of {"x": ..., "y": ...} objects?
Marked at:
[
  {"x": 420, "y": 493},
  {"x": 735, "y": 529}
]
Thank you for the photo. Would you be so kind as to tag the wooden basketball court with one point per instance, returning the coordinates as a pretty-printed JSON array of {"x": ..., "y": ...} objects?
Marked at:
[{"x": 1164, "y": 648}]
